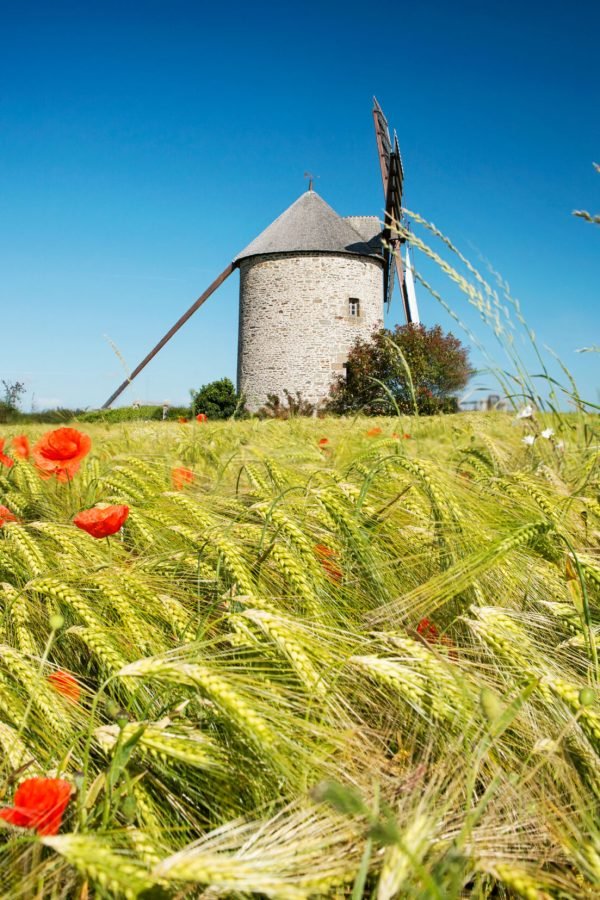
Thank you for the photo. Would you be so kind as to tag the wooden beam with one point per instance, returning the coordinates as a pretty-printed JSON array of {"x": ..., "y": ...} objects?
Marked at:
[{"x": 209, "y": 290}]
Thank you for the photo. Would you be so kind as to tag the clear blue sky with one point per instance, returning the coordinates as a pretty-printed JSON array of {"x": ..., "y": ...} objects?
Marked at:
[{"x": 142, "y": 145}]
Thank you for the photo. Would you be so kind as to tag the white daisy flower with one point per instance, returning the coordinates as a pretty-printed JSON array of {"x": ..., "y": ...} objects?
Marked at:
[
  {"x": 526, "y": 412},
  {"x": 547, "y": 433},
  {"x": 529, "y": 440}
]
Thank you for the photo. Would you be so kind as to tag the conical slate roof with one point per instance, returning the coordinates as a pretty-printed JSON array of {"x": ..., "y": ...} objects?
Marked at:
[
  {"x": 309, "y": 224},
  {"x": 369, "y": 227}
]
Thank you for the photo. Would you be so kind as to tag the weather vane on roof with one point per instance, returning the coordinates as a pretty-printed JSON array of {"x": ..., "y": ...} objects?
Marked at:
[{"x": 311, "y": 179}]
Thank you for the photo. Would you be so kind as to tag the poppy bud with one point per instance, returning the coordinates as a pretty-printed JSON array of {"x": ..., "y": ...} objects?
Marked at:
[
  {"x": 129, "y": 808},
  {"x": 491, "y": 705},
  {"x": 587, "y": 697}
]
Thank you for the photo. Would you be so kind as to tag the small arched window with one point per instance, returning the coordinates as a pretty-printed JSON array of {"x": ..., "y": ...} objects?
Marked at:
[{"x": 354, "y": 307}]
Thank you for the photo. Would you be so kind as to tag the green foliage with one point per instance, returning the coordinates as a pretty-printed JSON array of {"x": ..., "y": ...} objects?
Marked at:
[
  {"x": 217, "y": 400},
  {"x": 59, "y": 416},
  {"x": 9, "y": 404},
  {"x": 412, "y": 368},
  {"x": 63, "y": 416},
  {"x": 133, "y": 414}
]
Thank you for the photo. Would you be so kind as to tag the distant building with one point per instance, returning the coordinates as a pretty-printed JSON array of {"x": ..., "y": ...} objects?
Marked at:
[{"x": 484, "y": 404}]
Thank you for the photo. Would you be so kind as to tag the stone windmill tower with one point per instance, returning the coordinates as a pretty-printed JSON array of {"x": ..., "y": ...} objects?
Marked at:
[{"x": 310, "y": 284}]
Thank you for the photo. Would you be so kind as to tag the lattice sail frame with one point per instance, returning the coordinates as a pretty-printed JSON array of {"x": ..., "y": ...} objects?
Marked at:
[{"x": 392, "y": 176}]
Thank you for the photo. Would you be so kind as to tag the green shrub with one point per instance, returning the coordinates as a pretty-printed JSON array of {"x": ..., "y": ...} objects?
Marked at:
[
  {"x": 274, "y": 408},
  {"x": 217, "y": 400},
  {"x": 59, "y": 416},
  {"x": 134, "y": 414}
]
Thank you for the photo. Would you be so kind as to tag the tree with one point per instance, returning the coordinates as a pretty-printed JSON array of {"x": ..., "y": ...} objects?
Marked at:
[
  {"x": 12, "y": 393},
  {"x": 9, "y": 404},
  {"x": 217, "y": 400},
  {"x": 411, "y": 366}
]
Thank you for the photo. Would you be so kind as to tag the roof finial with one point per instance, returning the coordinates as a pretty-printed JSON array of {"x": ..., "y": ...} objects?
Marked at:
[{"x": 311, "y": 179}]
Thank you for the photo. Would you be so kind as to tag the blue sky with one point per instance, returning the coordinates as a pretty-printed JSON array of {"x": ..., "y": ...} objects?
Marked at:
[{"x": 143, "y": 145}]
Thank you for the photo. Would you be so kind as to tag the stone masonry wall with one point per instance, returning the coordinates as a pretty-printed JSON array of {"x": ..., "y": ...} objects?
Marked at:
[{"x": 295, "y": 327}]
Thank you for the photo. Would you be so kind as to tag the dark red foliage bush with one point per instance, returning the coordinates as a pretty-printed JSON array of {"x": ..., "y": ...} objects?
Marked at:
[{"x": 400, "y": 369}]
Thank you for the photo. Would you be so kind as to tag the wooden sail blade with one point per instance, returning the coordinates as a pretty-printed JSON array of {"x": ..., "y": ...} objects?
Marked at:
[
  {"x": 190, "y": 312},
  {"x": 384, "y": 144},
  {"x": 393, "y": 212},
  {"x": 384, "y": 150},
  {"x": 392, "y": 176}
]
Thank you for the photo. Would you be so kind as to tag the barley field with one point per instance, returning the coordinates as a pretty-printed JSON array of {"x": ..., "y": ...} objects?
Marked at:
[{"x": 321, "y": 658}]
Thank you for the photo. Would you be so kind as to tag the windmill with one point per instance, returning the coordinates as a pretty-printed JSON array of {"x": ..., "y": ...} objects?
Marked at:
[
  {"x": 392, "y": 176},
  {"x": 301, "y": 340}
]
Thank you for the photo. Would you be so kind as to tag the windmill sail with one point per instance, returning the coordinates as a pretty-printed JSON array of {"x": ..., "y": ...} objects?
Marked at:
[
  {"x": 384, "y": 144},
  {"x": 167, "y": 337},
  {"x": 409, "y": 291},
  {"x": 392, "y": 176}
]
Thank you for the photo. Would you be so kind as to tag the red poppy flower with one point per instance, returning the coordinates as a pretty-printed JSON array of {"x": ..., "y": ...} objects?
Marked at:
[
  {"x": 182, "y": 420},
  {"x": 407, "y": 437},
  {"x": 201, "y": 417},
  {"x": 65, "y": 684},
  {"x": 374, "y": 432},
  {"x": 327, "y": 558},
  {"x": 101, "y": 521},
  {"x": 39, "y": 803},
  {"x": 5, "y": 460},
  {"x": 60, "y": 452},
  {"x": 181, "y": 477},
  {"x": 6, "y": 516},
  {"x": 20, "y": 446},
  {"x": 431, "y": 635},
  {"x": 428, "y": 631},
  {"x": 323, "y": 442}
]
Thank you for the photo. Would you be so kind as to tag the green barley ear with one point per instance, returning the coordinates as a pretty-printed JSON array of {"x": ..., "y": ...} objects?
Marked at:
[
  {"x": 165, "y": 742},
  {"x": 460, "y": 576},
  {"x": 19, "y": 612},
  {"x": 100, "y": 643},
  {"x": 517, "y": 879},
  {"x": 491, "y": 705},
  {"x": 27, "y": 549},
  {"x": 118, "y": 872},
  {"x": 403, "y": 853},
  {"x": 580, "y": 701},
  {"x": 233, "y": 706},
  {"x": 16, "y": 752},
  {"x": 281, "y": 631}
]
